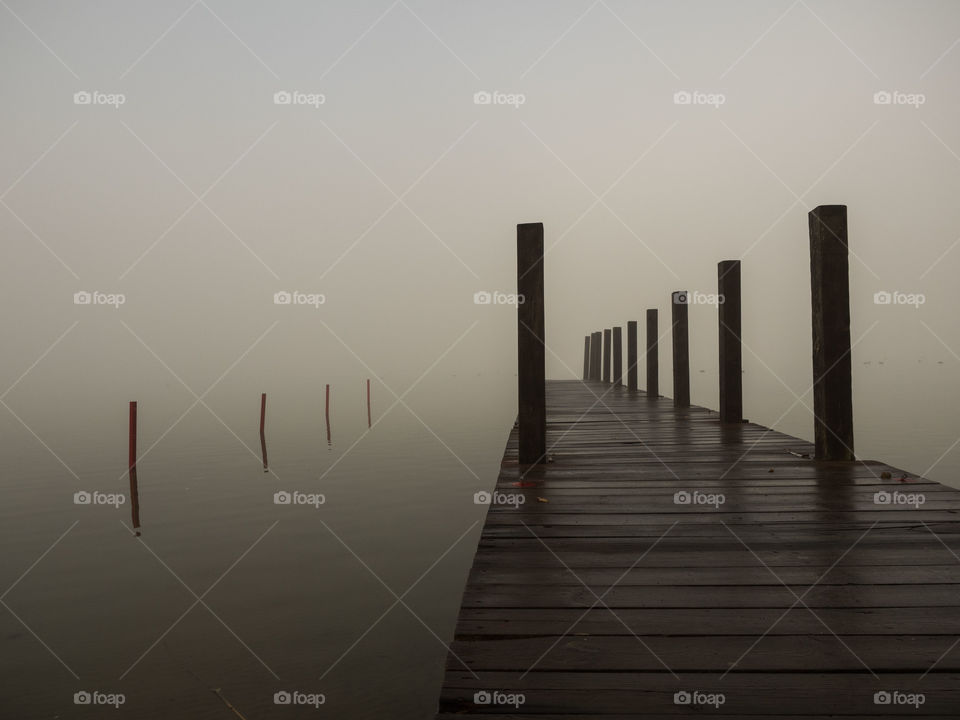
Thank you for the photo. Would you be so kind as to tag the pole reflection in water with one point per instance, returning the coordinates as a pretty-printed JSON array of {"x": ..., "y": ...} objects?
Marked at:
[
  {"x": 328, "y": 416},
  {"x": 263, "y": 437},
  {"x": 132, "y": 469}
]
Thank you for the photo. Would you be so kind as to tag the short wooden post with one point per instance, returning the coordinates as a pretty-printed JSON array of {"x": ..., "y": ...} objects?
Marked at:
[
  {"x": 586, "y": 357},
  {"x": 681, "y": 349},
  {"x": 606, "y": 355},
  {"x": 531, "y": 376},
  {"x": 631, "y": 354},
  {"x": 830, "y": 295},
  {"x": 653, "y": 368},
  {"x": 369, "y": 424},
  {"x": 731, "y": 365},
  {"x": 618, "y": 356}
]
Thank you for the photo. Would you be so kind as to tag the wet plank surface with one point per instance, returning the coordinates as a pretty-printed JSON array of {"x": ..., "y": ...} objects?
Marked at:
[{"x": 664, "y": 565}]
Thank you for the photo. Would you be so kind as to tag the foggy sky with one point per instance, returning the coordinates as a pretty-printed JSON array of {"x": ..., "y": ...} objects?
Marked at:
[{"x": 397, "y": 197}]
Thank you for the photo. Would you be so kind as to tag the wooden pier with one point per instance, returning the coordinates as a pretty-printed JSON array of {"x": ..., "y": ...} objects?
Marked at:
[{"x": 623, "y": 587}]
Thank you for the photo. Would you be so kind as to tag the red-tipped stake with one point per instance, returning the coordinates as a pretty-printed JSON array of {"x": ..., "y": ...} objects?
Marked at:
[{"x": 132, "y": 454}]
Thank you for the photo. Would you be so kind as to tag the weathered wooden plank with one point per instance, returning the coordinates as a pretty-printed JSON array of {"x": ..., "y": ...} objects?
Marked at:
[{"x": 699, "y": 585}]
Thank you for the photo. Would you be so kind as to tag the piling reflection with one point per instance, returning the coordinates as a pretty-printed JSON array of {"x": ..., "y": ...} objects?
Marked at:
[
  {"x": 329, "y": 443},
  {"x": 263, "y": 437},
  {"x": 263, "y": 451},
  {"x": 134, "y": 501},
  {"x": 132, "y": 469}
]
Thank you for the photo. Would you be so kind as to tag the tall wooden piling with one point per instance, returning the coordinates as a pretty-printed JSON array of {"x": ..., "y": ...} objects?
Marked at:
[
  {"x": 263, "y": 410},
  {"x": 606, "y": 355},
  {"x": 731, "y": 362},
  {"x": 595, "y": 356},
  {"x": 681, "y": 348},
  {"x": 830, "y": 299},
  {"x": 531, "y": 371},
  {"x": 631, "y": 354},
  {"x": 653, "y": 349},
  {"x": 586, "y": 357},
  {"x": 618, "y": 356}
]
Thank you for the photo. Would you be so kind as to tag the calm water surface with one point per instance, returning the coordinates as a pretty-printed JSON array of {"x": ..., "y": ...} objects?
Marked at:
[{"x": 227, "y": 590}]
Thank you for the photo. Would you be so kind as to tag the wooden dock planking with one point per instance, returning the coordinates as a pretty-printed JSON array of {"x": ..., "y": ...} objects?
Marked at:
[{"x": 689, "y": 592}]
